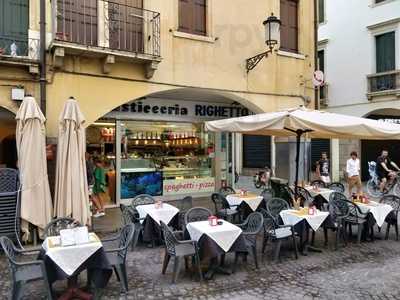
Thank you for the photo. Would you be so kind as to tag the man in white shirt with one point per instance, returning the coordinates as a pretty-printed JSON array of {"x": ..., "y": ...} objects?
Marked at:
[{"x": 353, "y": 173}]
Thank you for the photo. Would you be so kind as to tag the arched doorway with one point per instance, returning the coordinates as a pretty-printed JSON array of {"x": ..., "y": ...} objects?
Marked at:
[
  {"x": 8, "y": 149},
  {"x": 157, "y": 144},
  {"x": 371, "y": 149}
]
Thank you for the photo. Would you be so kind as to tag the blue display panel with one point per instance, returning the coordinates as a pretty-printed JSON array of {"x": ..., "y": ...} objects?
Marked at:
[{"x": 133, "y": 184}]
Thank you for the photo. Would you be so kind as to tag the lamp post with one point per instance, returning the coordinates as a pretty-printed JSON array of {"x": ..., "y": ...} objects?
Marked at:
[{"x": 272, "y": 37}]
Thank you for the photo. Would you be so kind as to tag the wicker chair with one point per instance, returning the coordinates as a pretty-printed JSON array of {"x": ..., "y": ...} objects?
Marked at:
[
  {"x": 392, "y": 218},
  {"x": 54, "y": 227},
  {"x": 337, "y": 186},
  {"x": 305, "y": 196},
  {"x": 8, "y": 180},
  {"x": 318, "y": 183},
  {"x": 222, "y": 208},
  {"x": 117, "y": 256},
  {"x": 23, "y": 271},
  {"x": 130, "y": 216},
  {"x": 142, "y": 200},
  {"x": 227, "y": 190},
  {"x": 178, "y": 249},
  {"x": 184, "y": 205},
  {"x": 251, "y": 228},
  {"x": 338, "y": 212},
  {"x": 275, "y": 206},
  {"x": 196, "y": 214},
  {"x": 277, "y": 233}
]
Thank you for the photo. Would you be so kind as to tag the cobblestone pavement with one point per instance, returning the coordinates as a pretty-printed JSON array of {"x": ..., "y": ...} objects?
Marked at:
[{"x": 366, "y": 271}]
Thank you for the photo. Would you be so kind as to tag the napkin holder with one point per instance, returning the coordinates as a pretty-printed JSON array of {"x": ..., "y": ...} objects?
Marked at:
[
  {"x": 81, "y": 235},
  {"x": 311, "y": 210},
  {"x": 67, "y": 237},
  {"x": 243, "y": 192},
  {"x": 158, "y": 204},
  {"x": 212, "y": 220}
]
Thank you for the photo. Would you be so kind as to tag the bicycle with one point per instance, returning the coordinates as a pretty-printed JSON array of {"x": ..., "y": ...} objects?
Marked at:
[{"x": 373, "y": 184}]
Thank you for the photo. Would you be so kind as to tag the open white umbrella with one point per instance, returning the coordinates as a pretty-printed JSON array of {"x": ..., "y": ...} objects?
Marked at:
[
  {"x": 317, "y": 124},
  {"x": 36, "y": 205},
  {"x": 71, "y": 190}
]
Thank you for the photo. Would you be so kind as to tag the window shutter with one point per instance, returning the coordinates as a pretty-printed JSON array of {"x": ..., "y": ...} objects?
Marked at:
[
  {"x": 289, "y": 27},
  {"x": 321, "y": 11},
  {"x": 186, "y": 15},
  {"x": 199, "y": 13},
  {"x": 385, "y": 52},
  {"x": 256, "y": 151}
]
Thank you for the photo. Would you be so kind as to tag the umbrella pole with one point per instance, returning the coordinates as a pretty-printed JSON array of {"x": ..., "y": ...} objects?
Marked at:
[{"x": 298, "y": 139}]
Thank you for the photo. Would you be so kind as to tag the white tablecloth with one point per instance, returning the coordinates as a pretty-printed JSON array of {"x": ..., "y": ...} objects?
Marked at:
[
  {"x": 164, "y": 213},
  {"x": 378, "y": 210},
  {"x": 224, "y": 235},
  {"x": 252, "y": 201},
  {"x": 70, "y": 258},
  {"x": 324, "y": 192},
  {"x": 292, "y": 217}
]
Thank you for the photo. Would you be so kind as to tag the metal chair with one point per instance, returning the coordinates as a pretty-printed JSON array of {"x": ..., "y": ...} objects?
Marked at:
[
  {"x": 287, "y": 194},
  {"x": 23, "y": 271},
  {"x": 54, "y": 227},
  {"x": 251, "y": 228},
  {"x": 8, "y": 180},
  {"x": 117, "y": 256},
  {"x": 196, "y": 214},
  {"x": 142, "y": 199},
  {"x": 277, "y": 233},
  {"x": 227, "y": 190},
  {"x": 392, "y": 218},
  {"x": 177, "y": 249},
  {"x": 275, "y": 206},
  {"x": 337, "y": 186},
  {"x": 304, "y": 195},
  {"x": 222, "y": 208},
  {"x": 318, "y": 183}
]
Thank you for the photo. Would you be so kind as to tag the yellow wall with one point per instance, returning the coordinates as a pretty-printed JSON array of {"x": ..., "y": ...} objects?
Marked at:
[{"x": 236, "y": 33}]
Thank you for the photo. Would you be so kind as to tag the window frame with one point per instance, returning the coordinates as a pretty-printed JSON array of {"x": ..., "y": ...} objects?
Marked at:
[{"x": 193, "y": 32}]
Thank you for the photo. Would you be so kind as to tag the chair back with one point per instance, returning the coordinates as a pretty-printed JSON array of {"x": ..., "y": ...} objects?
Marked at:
[
  {"x": 128, "y": 214},
  {"x": 286, "y": 194},
  {"x": 392, "y": 200},
  {"x": 125, "y": 239},
  {"x": 9, "y": 250},
  {"x": 142, "y": 200},
  {"x": 338, "y": 209},
  {"x": 196, "y": 214},
  {"x": 54, "y": 227},
  {"x": 185, "y": 204},
  {"x": 337, "y": 186},
  {"x": 219, "y": 201},
  {"x": 305, "y": 197},
  {"x": 8, "y": 180},
  {"x": 355, "y": 211},
  {"x": 267, "y": 194},
  {"x": 254, "y": 223},
  {"x": 269, "y": 222},
  {"x": 227, "y": 190},
  {"x": 319, "y": 183},
  {"x": 275, "y": 206},
  {"x": 169, "y": 239}
]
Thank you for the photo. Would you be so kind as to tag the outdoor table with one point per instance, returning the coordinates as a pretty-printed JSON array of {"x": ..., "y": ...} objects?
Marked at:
[
  {"x": 379, "y": 211},
  {"x": 151, "y": 216},
  {"x": 67, "y": 262},
  {"x": 216, "y": 241},
  {"x": 249, "y": 200},
  {"x": 322, "y": 192},
  {"x": 303, "y": 220}
]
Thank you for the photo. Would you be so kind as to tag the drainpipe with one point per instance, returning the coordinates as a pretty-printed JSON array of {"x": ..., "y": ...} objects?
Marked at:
[
  {"x": 42, "y": 58},
  {"x": 316, "y": 49}
]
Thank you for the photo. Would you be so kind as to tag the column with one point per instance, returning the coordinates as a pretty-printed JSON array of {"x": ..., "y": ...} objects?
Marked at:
[{"x": 335, "y": 168}]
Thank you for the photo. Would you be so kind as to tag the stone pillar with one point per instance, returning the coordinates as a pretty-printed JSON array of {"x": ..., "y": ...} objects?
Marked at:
[{"x": 335, "y": 163}]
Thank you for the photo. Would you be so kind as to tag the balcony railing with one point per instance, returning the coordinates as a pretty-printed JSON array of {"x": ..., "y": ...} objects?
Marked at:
[
  {"x": 23, "y": 48},
  {"x": 108, "y": 25},
  {"x": 384, "y": 82}
]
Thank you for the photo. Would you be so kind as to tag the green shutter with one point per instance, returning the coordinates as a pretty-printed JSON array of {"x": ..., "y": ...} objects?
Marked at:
[
  {"x": 321, "y": 11},
  {"x": 385, "y": 52},
  {"x": 14, "y": 19}
]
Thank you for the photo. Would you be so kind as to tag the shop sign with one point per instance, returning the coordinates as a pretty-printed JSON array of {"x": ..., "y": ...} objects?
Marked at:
[
  {"x": 188, "y": 186},
  {"x": 169, "y": 109}
]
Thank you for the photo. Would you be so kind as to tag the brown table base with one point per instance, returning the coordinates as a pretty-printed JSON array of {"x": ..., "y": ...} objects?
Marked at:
[{"x": 73, "y": 292}]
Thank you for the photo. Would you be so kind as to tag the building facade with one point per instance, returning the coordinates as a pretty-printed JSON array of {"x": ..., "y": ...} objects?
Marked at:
[
  {"x": 359, "y": 52},
  {"x": 148, "y": 73}
]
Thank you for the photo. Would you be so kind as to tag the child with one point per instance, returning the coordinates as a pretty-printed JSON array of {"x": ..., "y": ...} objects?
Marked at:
[{"x": 98, "y": 188}]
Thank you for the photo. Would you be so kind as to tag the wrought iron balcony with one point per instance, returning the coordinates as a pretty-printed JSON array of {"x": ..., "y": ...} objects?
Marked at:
[
  {"x": 385, "y": 83},
  {"x": 12, "y": 48},
  {"x": 107, "y": 25}
]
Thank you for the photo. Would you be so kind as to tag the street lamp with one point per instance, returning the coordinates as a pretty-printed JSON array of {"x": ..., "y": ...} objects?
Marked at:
[{"x": 272, "y": 37}]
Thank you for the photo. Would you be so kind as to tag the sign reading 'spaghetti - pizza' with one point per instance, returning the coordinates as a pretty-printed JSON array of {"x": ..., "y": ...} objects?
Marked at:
[{"x": 189, "y": 186}]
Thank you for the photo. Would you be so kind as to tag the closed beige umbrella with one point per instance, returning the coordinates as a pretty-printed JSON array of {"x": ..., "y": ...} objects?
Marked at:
[
  {"x": 36, "y": 206},
  {"x": 71, "y": 190}
]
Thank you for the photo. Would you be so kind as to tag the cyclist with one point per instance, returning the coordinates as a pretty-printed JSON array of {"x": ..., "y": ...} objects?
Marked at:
[{"x": 383, "y": 171}]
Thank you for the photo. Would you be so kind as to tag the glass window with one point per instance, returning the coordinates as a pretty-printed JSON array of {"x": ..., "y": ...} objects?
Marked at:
[
  {"x": 321, "y": 11},
  {"x": 166, "y": 158}
]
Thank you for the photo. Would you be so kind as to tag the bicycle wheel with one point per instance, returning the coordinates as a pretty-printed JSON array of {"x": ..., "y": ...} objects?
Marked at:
[{"x": 372, "y": 189}]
